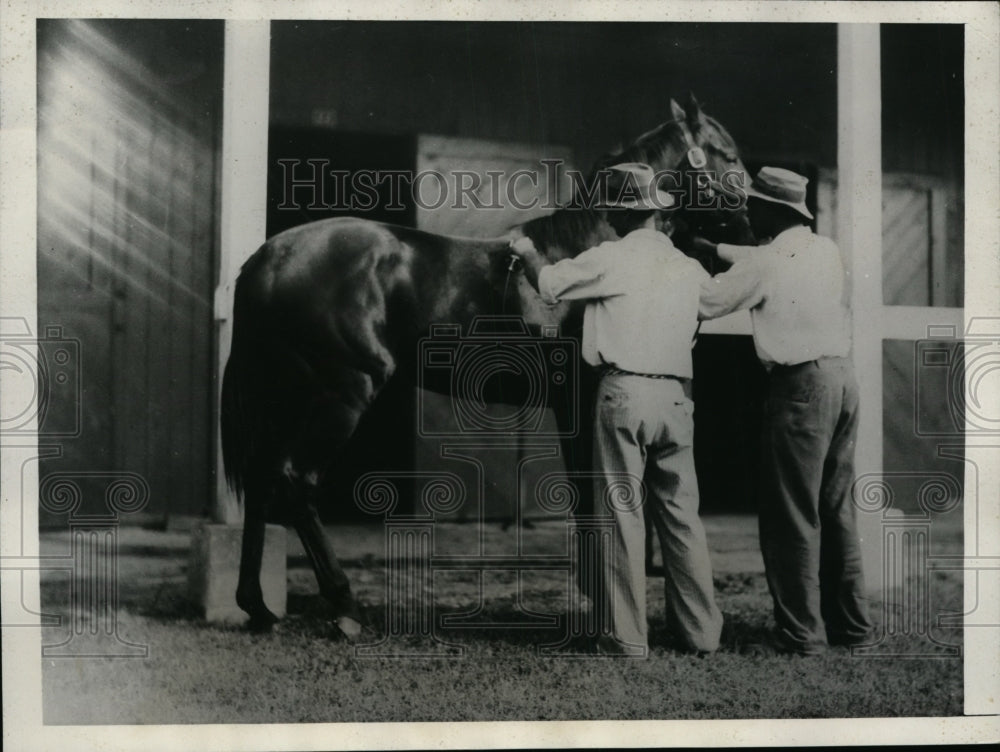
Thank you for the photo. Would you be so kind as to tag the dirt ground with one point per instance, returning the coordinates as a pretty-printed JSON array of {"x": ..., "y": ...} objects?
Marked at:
[{"x": 489, "y": 666}]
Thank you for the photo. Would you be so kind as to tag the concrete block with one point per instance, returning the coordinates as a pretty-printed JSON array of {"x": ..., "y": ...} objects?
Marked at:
[{"x": 214, "y": 566}]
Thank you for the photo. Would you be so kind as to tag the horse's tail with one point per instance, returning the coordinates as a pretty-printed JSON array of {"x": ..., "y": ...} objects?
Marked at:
[
  {"x": 236, "y": 415},
  {"x": 235, "y": 447}
]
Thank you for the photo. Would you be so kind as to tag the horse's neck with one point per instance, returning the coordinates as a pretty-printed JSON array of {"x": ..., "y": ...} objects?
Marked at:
[{"x": 567, "y": 232}]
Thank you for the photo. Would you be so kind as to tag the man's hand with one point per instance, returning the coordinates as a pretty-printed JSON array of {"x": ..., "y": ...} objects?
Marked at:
[
  {"x": 533, "y": 260},
  {"x": 702, "y": 247},
  {"x": 523, "y": 245}
]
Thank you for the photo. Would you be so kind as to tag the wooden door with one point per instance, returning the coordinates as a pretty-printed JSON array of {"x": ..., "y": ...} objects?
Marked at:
[{"x": 492, "y": 167}]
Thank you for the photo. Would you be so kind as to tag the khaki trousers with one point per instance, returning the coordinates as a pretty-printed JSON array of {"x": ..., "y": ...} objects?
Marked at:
[{"x": 643, "y": 450}]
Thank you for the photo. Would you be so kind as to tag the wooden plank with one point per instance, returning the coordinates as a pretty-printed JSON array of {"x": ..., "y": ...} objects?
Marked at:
[
  {"x": 912, "y": 322},
  {"x": 938, "y": 277},
  {"x": 176, "y": 186},
  {"x": 200, "y": 333},
  {"x": 158, "y": 310},
  {"x": 118, "y": 264},
  {"x": 905, "y": 246}
]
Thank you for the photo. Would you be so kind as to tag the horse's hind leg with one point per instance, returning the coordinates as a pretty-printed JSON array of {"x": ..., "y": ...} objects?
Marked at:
[
  {"x": 333, "y": 583},
  {"x": 249, "y": 595},
  {"x": 333, "y": 421}
]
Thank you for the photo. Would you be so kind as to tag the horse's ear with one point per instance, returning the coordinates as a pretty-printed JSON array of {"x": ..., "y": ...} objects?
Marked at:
[
  {"x": 692, "y": 108},
  {"x": 676, "y": 111}
]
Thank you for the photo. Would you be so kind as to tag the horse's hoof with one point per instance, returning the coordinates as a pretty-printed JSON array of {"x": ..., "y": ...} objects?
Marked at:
[
  {"x": 262, "y": 624},
  {"x": 350, "y": 628}
]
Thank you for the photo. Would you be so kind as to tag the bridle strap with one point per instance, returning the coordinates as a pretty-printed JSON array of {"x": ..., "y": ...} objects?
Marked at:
[{"x": 695, "y": 155}]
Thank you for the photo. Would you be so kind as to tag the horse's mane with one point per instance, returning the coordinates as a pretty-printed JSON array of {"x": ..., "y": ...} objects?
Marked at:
[{"x": 571, "y": 228}]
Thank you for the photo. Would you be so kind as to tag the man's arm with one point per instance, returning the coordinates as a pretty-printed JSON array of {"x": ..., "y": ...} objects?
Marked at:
[
  {"x": 726, "y": 251},
  {"x": 733, "y": 253},
  {"x": 580, "y": 278},
  {"x": 735, "y": 290}
]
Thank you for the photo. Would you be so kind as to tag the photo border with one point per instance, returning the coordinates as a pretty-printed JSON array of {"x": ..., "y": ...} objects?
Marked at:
[{"x": 22, "y": 701}]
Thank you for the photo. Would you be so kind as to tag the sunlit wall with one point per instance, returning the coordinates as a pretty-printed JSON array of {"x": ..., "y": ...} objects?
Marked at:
[{"x": 128, "y": 115}]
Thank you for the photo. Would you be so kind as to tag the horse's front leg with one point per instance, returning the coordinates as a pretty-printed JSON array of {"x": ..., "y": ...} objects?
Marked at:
[{"x": 333, "y": 583}]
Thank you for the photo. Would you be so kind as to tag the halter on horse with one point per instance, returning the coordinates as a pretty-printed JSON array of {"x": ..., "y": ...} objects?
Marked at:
[{"x": 327, "y": 312}]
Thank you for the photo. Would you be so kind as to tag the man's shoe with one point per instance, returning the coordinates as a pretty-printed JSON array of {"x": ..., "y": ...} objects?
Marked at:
[
  {"x": 607, "y": 645},
  {"x": 774, "y": 644},
  {"x": 850, "y": 641}
]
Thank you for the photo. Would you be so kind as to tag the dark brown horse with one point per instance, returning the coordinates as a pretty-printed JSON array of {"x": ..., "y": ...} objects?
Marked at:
[{"x": 327, "y": 312}]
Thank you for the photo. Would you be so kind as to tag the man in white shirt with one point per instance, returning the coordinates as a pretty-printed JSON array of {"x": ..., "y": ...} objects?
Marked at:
[
  {"x": 639, "y": 324},
  {"x": 794, "y": 288}
]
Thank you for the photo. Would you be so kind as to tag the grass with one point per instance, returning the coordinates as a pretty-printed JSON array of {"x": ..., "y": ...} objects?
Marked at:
[{"x": 200, "y": 673}]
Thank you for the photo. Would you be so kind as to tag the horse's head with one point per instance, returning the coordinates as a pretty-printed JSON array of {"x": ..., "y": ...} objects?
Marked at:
[{"x": 698, "y": 163}]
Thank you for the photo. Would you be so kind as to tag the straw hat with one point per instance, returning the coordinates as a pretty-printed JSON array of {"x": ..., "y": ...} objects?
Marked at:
[
  {"x": 781, "y": 187},
  {"x": 633, "y": 186}
]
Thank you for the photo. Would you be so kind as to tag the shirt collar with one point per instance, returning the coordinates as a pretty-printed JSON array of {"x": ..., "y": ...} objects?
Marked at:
[
  {"x": 645, "y": 232},
  {"x": 791, "y": 235},
  {"x": 791, "y": 238}
]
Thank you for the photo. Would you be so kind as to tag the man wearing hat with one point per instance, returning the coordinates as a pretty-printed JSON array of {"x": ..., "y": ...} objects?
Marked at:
[
  {"x": 639, "y": 324},
  {"x": 794, "y": 288}
]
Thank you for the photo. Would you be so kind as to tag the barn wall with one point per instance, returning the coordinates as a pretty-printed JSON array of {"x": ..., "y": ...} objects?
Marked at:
[
  {"x": 592, "y": 86},
  {"x": 128, "y": 121},
  {"x": 588, "y": 86}
]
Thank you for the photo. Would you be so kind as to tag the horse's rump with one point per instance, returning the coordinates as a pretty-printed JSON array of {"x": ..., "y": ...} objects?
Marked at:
[{"x": 323, "y": 315}]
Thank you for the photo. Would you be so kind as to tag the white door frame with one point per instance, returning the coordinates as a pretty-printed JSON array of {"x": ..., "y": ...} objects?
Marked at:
[{"x": 243, "y": 197}]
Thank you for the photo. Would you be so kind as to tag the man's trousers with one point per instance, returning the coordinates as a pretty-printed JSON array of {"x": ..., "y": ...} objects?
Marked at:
[
  {"x": 644, "y": 429},
  {"x": 808, "y": 530}
]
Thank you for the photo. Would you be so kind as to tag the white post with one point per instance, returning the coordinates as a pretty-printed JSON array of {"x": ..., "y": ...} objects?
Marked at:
[
  {"x": 859, "y": 233},
  {"x": 244, "y": 193}
]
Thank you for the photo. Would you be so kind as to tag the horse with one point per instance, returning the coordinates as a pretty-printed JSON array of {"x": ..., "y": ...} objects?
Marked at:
[{"x": 326, "y": 313}]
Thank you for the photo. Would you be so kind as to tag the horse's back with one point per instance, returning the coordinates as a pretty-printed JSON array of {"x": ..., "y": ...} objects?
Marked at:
[
  {"x": 349, "y": 293},
  {"x": 305, "y": 255}
]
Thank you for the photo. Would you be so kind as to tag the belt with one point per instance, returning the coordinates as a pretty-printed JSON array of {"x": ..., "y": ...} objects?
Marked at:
[
  {"x": 686, "y": 384},
  {"x": 814, "y": 362},
  {"x": 616, "y": 371},
  {"x": 607, "y": 370},
  {"x": 779, "y": 367}
]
